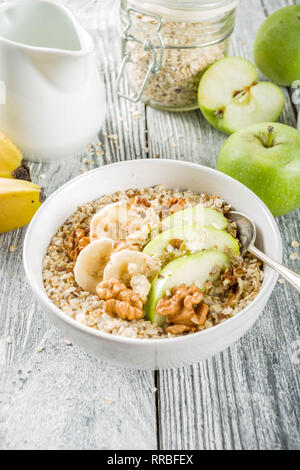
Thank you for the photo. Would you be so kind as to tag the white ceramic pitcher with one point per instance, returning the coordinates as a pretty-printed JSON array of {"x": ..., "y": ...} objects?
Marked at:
[{"x": 53, "y": 101}]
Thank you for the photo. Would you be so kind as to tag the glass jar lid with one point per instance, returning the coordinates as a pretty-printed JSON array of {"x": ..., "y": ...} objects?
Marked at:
[{"x": 186, "y": 10}]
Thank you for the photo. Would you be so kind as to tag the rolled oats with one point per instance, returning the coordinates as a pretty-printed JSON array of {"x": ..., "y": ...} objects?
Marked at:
[{"x": 176, "y": 85}]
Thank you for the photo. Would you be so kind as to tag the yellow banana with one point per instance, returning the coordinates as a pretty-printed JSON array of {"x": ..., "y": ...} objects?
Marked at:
[
  {"x": 19, "y": 201},
  {"x": 12, "y": 164}
]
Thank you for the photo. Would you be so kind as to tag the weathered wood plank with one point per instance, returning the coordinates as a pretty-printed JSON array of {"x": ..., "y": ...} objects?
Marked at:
[
  {"x": 61, "y": 398},
  {"x": 247, "y": 397}
]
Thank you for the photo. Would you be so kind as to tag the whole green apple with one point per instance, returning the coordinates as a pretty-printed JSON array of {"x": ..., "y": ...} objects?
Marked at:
[
  {"x": 231, "y": 97},
  {"x": 277, "y": 46},
  {"x": 266, "y": 158}
]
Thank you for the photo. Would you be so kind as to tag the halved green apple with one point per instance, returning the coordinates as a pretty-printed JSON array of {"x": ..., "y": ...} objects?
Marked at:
[
  {"x": 187, "y": 270},
  {"x": 231, "y": 97},
  {"x": 196, "y": 238},
  {"x": 199, "y": 215}
]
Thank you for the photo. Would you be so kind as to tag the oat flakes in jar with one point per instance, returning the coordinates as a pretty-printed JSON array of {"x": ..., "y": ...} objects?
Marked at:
[{"x": 167, "y": 46}]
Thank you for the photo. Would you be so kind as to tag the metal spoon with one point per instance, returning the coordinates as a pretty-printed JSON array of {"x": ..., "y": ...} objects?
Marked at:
[{"x": 247, "y": 236}]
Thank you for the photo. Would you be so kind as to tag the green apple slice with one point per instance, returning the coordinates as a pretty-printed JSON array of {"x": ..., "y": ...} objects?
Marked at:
[
  {"x": 187, "y": 270},
  {"x": 196, "y": 239},
  {"x": 199, "y": 215},
  {"x": 231, "y": 98}
]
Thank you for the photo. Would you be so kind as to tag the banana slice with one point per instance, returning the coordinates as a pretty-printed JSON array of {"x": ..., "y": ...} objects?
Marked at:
[
  {"x": 115, "y": 221},
  {"x": 149, "y": 228},
  {"x": 90, "y": 264},
  {"x": 127, "y": 263}
]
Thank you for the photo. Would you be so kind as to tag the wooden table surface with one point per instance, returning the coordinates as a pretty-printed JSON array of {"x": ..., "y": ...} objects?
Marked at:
[{"x": 54, "y": 396}]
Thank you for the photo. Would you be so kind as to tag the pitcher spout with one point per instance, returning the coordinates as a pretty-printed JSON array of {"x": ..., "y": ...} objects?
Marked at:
[
  {"x": 40, "y": 24},
  {"x": 47, "y": 36}
]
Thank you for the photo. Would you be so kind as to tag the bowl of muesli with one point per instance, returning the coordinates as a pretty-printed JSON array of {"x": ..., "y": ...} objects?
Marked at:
[{"x": 139, "y": 264}]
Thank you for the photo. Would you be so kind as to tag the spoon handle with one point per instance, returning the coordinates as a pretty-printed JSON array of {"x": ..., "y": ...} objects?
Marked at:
[{"x": 290, "y": 276}]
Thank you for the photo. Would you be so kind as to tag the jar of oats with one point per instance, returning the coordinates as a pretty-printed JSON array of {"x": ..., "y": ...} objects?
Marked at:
[{"x": 167, "y": 46}]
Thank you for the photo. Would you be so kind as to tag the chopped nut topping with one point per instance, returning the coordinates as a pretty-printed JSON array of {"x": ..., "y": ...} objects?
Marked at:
[
  {"x": 142, "y": 201},
  {"x": 172, "y": 201},
  {"x": 231, "y": 275},
  {"x": 76, "y": 242},
  {"x": 61, "y": 269},
  {"x": 228, "y": 278},
  {"x": 120, "y": 301},
  {"x": 176, "y": 243},
  {"x": 177, "y": 329},
  {"x": 184, "y": 309},
  {"x": 235, "y": 293},
  {"x": 179, "y": 206}
]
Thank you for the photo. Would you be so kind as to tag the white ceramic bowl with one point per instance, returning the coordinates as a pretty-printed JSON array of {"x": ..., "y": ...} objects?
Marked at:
[{"x": 143, "y": 353}]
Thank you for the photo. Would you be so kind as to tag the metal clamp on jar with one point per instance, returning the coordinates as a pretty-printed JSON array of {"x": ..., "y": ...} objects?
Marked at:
[{"x": 168, "y": 44}]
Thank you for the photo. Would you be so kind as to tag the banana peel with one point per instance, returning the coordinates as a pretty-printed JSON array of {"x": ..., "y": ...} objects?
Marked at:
[
  {"x": 12, "y": 163},
  {"x": 19, "y": 201}
]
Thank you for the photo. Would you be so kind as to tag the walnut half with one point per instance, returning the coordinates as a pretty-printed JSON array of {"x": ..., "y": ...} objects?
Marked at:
[
  {"x": 184, "y": 309},
  {"x": 120, "y": 301}
]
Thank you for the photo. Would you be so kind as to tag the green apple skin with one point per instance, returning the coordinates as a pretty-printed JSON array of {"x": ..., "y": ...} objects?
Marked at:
[
  {"x": 200, "y": 239},
  {"x": 186, "y": 270},
  {"x": 199, "y": 215},
  {"x": 277, "y": 46},
  {"x": 260, "y": 101},
  {"x": 273, "y": 173}
]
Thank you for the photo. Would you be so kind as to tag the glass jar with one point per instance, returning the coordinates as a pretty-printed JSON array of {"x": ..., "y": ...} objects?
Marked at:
[{"x": 168, "y": 44}]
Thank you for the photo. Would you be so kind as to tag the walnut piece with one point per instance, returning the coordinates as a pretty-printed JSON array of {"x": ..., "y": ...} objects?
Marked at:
[
  {"x": 179, "y": 206},
  {"x": 142, "y": 201},
  {"x": 120, "y": 301},
  {"x": 176, "y": 243},
  {"x": 177, "y": 329},
  {"x": 172, "y": 201},
  {"x": 184, "y": 309},
  {"x": 75, "y": 242},
  {"x": 233, "y": 280}
]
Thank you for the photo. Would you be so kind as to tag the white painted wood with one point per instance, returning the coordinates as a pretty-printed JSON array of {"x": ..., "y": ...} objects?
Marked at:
[{"x": 61, "y": 398}]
